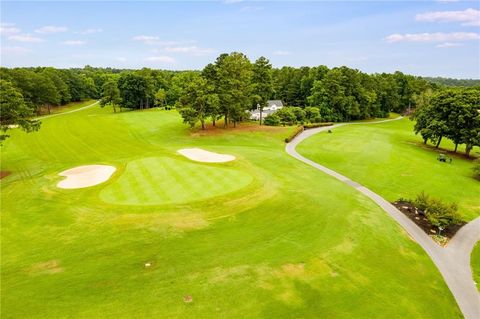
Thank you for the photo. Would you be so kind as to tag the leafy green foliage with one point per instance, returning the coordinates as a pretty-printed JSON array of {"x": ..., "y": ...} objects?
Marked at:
[
  {"x": 451, "y": 113},
  {"x": 438, "y": 213},
  {"x": 14, "y": 111}
]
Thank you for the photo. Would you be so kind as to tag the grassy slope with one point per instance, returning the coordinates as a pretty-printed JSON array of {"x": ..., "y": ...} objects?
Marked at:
[
  {"x": 475, "y": 262},
  {"x": 68, "y": 107},
  {"x": 295, "y": 243},
  {"x": 390, "y": 159}
]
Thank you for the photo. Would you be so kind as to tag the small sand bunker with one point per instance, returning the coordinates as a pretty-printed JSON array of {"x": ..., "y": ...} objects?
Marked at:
[
  {"x": 85, "y": 176},
  {"x": 199, "y": 155}
]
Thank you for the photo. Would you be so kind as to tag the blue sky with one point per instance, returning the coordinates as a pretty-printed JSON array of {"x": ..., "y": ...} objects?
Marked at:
[{"x": 418, "y": 37}]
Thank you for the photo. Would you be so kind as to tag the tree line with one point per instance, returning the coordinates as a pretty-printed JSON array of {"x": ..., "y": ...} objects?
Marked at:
[
  {"x": 225, "y": 88},
  {"x": 452, "y": 113}
]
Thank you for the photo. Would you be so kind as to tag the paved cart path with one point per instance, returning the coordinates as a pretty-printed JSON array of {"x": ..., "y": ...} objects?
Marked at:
[{"x": 453, "y": 261}]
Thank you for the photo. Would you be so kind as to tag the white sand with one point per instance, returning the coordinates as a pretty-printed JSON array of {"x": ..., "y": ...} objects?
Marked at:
[
  {"x": 199, "y": 155},
  {"x": 85, "y": 176}
]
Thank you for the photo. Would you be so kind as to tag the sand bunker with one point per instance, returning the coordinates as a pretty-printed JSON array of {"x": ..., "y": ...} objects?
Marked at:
[
  {"x": 85, "y": 176},
  {"x": 199, "y": 155}
]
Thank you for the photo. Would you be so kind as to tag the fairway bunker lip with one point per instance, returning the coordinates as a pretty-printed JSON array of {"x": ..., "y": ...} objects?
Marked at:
[
  {"x": 200, "y": 155},
  {"x": 85, "y": 176}
]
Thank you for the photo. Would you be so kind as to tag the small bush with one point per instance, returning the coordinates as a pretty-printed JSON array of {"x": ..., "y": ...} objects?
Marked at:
[
  {"x": 272, "y": 120},
  {"x": 438, "y": 213},
  {"x": 422, "y": 200},
  {"x": 294, "y": 134},
  {"x": 314, "y": 125}
]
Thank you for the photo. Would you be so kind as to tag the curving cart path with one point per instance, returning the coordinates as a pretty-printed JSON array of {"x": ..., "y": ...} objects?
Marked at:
[{"x": 453, "y": 261}]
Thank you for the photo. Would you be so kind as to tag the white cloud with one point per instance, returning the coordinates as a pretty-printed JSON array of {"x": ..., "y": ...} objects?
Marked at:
[
  {"x": 121, "y": 59},
  {"x": 433, "y": 37},
  {"x": 25, "y": 38},
  {"x": 51, "y": 29},
  {"x": 468, "y": 17},
  {"x": 154, "y": 40},
  {"x": 74, "y": 42},
  {"x": 280, "y": 52},
  {"x": 8, "y": 29},
  {"x": 449, "y": 45},
  {"x": 162, "y": 59},
  {"x": 90, "y": 31},
  {"x": 15, "y": 50},
  {"x": 194, "y": 50}
]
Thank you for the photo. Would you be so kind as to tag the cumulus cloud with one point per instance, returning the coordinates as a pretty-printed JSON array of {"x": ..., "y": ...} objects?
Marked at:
[
  {"x": 433, "y": 37},
  {"x": 468, "y": 17},
  {"x": 194, "y": 50},
  {"x": 449, "y": 45},
  {"x": 74, "y": 42},
  {"x": 51, "y": 29},
  {"x": 280, "y": 52},
  {"x": 153, "y": 40},
  {"x": 8, "y": 29},
  {"x": 25, "y": 38},
  {"x": 162, "y": 59},
  {"x": 90, "y": 31}
]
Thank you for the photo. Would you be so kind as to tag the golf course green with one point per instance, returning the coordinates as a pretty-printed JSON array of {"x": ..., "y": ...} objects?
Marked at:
[
  {"x": 264, "y": 236},
  {"x": 389, "y": 159},
  {"x": 475, "y": 262}
]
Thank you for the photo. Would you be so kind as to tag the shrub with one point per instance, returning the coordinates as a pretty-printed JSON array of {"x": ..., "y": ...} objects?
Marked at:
[
  {"x": 312, "y": 114},
  {"x": 286, "y": 116},
  {"x": 421, "y": 202},
  {"x": 442, "y": 214},
  {"x": 272, "y": 120},
  {"x": 314, "y": 125},
  {"x": 297, "y": 131},
  {"x": 299, "y": 114},
  {"x": 438, "y": 213}
]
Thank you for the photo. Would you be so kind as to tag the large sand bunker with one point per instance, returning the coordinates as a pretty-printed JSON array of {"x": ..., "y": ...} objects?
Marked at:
[
  {"x": 85, "y": 176},
  {"x": 199, "y": 155}
]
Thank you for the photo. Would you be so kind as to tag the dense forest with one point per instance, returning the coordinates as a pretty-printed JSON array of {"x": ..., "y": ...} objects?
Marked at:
[{"x": 223, "y": 89}]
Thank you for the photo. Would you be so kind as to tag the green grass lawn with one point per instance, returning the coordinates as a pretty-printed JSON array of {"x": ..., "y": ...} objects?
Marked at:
[
  {"x": 475, "y": 262},
  {"x": 389, "y": 159},
  {"x": 274, "y": 239},
  {"x": 68, "y": 107}
]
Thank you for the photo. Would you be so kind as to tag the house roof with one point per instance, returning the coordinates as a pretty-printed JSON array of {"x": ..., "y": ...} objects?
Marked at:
[{"x": 276, "y": 102}]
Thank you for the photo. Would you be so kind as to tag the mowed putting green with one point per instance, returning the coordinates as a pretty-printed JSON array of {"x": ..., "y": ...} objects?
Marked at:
[
  {"x": 163, "y": 180},
  {"x": 392, "y": 161}
]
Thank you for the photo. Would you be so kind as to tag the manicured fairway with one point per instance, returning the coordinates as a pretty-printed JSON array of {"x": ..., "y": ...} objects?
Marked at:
[
  {"x": 389, "y": 159},
  {"x": 286, "y": 241},
  {"x": 163, "y": 180}
]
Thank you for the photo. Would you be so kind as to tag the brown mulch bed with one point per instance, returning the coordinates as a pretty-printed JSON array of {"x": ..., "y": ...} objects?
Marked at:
[
  {"x": 4, "y": 174},
  {"x": 419, "y": 218}
]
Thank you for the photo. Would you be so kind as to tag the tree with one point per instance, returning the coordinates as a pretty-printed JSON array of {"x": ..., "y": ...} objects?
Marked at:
[
  {"x": 14, "y": 111},
  {"x": 134, "y": 90},
  {"x": 234, "y": 74},
  {"x": 197, "y": 102},
  {"x": 312, "y": 114},
  {"x": 286, "y": 116},
  {"x": 262, "y": 84},
  {"x": 160, "y": 97},
  {"x": 110, "y": 94}
]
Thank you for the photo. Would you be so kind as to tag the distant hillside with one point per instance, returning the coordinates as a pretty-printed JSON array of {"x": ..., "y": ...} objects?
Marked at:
[{"x": 453, "y": 82}]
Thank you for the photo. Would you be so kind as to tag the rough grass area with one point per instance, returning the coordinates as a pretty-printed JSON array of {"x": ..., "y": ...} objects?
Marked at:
[
  {"x": 392, "y": 161},
  {"x": 293, "y": 243}
]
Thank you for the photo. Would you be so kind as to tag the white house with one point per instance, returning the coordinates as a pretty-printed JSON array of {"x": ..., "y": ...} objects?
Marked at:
[{"x": 272, "y": 107}]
